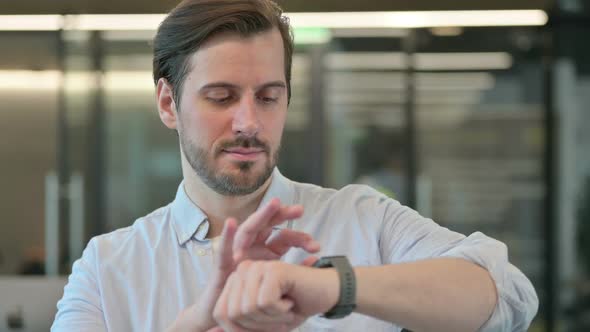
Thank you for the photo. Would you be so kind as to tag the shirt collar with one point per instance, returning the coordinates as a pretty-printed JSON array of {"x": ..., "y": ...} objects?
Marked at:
[{"x": 190, "y": 221}]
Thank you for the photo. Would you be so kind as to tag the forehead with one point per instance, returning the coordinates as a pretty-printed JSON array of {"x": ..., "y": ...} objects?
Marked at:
[{"x": 234, "y": 58}]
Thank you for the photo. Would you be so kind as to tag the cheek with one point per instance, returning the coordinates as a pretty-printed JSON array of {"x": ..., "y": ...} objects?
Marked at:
[
  {"x": 209, "y": 127},
  {"x": 275, "y": 127},
  {"x": 204, "y": 129},
  {"x": 273, "y": 123}
]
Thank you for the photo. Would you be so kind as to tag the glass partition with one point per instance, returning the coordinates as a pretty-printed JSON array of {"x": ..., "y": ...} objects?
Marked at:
[
  {"x": 29, "y": 101},
  {"x": 459, "y": 120}
]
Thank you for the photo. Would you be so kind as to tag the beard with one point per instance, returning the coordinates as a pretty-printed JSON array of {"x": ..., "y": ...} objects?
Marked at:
[{"x": 229, "y": 183}]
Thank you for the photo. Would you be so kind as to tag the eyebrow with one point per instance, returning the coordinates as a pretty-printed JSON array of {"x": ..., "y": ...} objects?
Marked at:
[
  {"x": 274, "y": 84},
  {"x": 227, "y": 85}
]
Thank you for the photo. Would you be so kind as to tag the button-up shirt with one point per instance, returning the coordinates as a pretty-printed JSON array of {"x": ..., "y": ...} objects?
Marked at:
[{"x": 140, "y": 277}]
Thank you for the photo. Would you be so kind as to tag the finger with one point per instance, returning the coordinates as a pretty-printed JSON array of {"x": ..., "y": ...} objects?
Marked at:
[
  {"x": 227, "y": 318},
  {"x": 225, "y": 253},
  {"x": 253, "y": 278},
  {"x": 234, "y": 305},
  {"x": 280, "y": 310},
  {"x": 248, "y": 316},
  {"x": 265, "y": 327},
  {"x": 259, "y": 253},
  {"x": 284, "y": 213},
  {"x": 249, "y": 230},
  {"x": 230, "y": 326},
  {"x": 262, "y": 318},
  {"x": 233, "y": 327},
  {"x": 266, "y": 317},
  {"x": 215, "y": 329},
  {"x": 287, "y": 239},
  {"x": 270, "y": 296},
  {"x": 264, "y": 235},
  {"x": 220, "y": 313},
  {"x": 288, "y": 212},
  {"x": 309, "y": 261},
  {"x": 253, "y": 315}
]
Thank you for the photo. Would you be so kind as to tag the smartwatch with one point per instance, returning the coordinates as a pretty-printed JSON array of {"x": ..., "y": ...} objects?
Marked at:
[{"x": 347, "y": 300}]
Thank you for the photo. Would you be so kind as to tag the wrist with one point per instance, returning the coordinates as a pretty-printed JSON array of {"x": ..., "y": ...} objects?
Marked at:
[
  {"x": 346, "y": 300},
  {"x": 319, "y": 287},
  {"x": 331, "y": 285}
]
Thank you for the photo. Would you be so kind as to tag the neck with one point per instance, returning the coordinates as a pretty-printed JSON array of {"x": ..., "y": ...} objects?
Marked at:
[{"x": 219, "y": 207}]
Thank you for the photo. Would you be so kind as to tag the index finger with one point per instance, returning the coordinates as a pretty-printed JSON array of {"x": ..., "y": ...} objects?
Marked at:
[{"x": 257, "y": 222}]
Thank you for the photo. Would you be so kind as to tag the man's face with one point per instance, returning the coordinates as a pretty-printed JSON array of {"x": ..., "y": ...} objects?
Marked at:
[{"x": 232, "y": 111}]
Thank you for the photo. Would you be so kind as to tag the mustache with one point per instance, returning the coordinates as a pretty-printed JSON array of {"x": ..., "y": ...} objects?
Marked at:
[{"x": 243, "y": 142}]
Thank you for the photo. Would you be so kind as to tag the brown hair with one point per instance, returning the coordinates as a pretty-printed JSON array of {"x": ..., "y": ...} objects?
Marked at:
[{"x": 192, "y": 22}]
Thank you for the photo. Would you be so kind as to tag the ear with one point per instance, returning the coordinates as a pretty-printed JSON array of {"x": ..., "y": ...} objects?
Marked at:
[{"x": 166, "y": 105}]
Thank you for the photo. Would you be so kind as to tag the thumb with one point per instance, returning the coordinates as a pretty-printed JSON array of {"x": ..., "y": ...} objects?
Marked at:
[{"x": 309, "y": 261}]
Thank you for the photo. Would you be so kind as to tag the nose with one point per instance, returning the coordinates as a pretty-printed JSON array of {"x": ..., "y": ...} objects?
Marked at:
[{"x": 245, "y": 121}]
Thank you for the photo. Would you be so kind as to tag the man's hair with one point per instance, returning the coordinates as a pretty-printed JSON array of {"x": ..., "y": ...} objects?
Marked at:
[{"x": 193, "y": 22}]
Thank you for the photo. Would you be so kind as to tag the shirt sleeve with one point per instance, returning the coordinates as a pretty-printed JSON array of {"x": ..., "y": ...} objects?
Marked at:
[
  {"x": 406, "y": 236},
  {"x": 80, "y": 308}
]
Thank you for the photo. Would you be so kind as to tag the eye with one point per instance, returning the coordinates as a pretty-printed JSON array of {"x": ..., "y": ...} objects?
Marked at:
[
  {"x": 269, "y": 95},
  {"x": 268, "y": 100},
  {"x": 220, "y": 100},
  {"x": 219, "y": 96}
]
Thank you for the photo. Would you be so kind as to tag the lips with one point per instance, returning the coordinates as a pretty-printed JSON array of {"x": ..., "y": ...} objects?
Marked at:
[
  {"x": 244, "y": 154},
  {"x": 244, "y": 151}
]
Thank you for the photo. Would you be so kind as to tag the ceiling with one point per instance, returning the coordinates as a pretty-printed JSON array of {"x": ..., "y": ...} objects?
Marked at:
[
  {"x": 162, "y": 6},
  {"x": 37, "y": 50}
]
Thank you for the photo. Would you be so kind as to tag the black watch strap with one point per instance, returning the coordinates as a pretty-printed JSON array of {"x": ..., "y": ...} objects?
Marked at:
[{"x": 347, "y": 300}]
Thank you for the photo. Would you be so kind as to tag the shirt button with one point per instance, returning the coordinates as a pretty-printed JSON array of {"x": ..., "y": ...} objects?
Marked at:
[{"x": 201, "y": 252}]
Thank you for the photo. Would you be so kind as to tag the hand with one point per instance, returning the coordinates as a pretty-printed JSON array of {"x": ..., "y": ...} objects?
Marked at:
[
  {"x": 248, "y": 241},
  {"x": 274, "y": 296}
]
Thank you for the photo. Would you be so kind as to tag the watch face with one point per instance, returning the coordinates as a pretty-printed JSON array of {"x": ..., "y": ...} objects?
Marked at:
[
  {"x": 328, "y": 261},
  {"x": 322, "y": 262}
]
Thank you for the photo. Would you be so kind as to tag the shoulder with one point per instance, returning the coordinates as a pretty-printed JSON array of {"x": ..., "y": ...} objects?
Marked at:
[
  {"x": 354, "y": 200},
  {"x": 351, "y": 194},
  {"x": 142, "y": 234}
]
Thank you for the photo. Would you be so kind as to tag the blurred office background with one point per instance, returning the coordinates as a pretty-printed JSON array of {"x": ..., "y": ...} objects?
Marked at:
[{"x": 478, "y": 120}]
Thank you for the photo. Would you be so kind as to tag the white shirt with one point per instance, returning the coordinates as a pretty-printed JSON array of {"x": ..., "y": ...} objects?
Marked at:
[{"x": 140, "y": 277}]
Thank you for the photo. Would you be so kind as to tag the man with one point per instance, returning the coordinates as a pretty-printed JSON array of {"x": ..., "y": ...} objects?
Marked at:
[{"x": 209, "y": 261}]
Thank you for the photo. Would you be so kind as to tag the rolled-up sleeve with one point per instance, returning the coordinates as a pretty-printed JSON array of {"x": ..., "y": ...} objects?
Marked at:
[
  {"x": 406, "y": 236},
  {"x": 80, "y": 308},
  {"x": 517, "y": 301}
]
